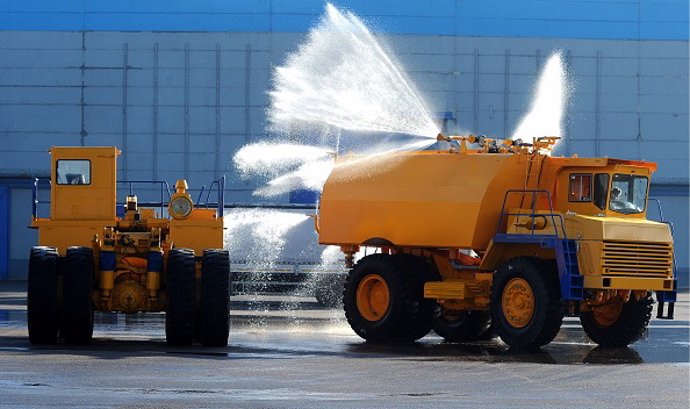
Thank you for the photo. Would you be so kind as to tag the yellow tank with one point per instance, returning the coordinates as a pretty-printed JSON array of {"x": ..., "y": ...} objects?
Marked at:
[{"x": 418, "y": 198}]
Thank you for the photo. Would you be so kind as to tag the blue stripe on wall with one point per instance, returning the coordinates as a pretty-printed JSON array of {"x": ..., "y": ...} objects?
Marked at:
[
  {"x": 603, "y": 19},
  {"x": 4, "y": 231}
]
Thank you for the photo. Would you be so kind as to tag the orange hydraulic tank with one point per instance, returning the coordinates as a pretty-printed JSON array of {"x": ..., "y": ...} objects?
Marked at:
[{"x": 436, "y": 199}]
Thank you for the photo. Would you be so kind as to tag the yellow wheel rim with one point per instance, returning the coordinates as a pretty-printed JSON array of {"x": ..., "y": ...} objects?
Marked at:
[
  {"x": 518, "y": 302},
  {"x": 607, "y": 315},
  {"x": 373, "y": 297}
]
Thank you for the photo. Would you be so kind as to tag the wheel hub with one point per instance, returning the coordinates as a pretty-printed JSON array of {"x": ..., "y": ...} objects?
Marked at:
[
  {"x": 373, "y": 297},
  {"x": 518, "y": 302},
  {"x": 607, "y": 314}
]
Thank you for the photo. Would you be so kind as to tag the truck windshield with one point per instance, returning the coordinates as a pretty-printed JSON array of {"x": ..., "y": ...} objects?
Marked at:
[
  {"x": 628, "y": 194},
  {"x": 73, "y": 172}
]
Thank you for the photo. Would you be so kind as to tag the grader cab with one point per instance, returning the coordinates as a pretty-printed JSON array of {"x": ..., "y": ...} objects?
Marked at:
[{"x": 96, "y": 255}]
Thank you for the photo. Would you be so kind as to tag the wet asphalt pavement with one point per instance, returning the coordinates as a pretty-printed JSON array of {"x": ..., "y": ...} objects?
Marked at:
[{"x": 286, "y": 352}]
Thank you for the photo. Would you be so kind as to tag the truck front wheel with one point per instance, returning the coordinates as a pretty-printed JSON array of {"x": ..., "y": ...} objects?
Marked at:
[
  {"x": 525, "y": 303},
  {"x": 77, "y": 289},
  {"x": 382, "y": 299},
  {"x": 618, "y": 324},
  {"x": 42, "y": 295},
  {"x": 180, "y": 287}
]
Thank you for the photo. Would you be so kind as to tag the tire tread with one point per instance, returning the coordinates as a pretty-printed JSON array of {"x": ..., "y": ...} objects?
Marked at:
[
  {"x": 630, "y": 326},
  {"x": 42, "y": 309},
  {"x": 215, "y": 298},
  {"x": 548, "y": 314},
  {"x": 180, "y": 287},
  {"x": 77, "y": 304}
]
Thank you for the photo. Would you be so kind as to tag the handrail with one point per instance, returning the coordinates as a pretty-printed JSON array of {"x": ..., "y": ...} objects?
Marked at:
[
  {"x": 658, "y": 206},
  {"x": 570, "y": 280},
  {"x": 221, "y": 200},
  {"x": 286, "y": 206},
  {"x": 210, "y": 189},
  {"x": 201, "y": 193},
  {"x": 670, "y": 227},
  {"x": 533, "y": 214},
  {"x": 35, "y": 202},
  {"x": 164, "y": 188},
  {"x": 661, "y": 214},
  {"x": 219, "y": 185}
]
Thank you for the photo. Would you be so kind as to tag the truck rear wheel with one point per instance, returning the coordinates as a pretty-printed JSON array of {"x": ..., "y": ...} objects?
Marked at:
[
  {"x": 464, "y": 326},
  {"x": 41, "y": 307},
  {"x": 77, "y": 290},
  {"x": 618, "y": 324},
  {"x": 179, "y": 284},
  {"x": 215, "y": 298},
  {"x": 525, "y": 303},
  {"x": 418, "y": 271},
  {"x": 383, "y": 300}
]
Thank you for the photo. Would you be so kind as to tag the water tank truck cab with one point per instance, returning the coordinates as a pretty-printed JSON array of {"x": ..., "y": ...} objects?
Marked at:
[{"x": 476, "y": 232}]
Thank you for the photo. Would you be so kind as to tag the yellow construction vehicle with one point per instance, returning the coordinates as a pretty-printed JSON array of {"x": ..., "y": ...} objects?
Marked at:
[
  {"x": 95, "y": 255},
  {"x": 473, "y": 232}
]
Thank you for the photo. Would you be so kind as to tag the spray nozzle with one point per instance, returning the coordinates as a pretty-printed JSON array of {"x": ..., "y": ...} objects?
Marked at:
[{"x": 545, "y": 142}]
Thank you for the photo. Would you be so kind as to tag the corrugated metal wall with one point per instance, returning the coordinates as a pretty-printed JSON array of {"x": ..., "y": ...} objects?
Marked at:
[{"x": 182, "y": 103}]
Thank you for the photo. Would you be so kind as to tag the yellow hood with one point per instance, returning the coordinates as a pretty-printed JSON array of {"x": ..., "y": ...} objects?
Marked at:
[{"x": 616, "y": 229}]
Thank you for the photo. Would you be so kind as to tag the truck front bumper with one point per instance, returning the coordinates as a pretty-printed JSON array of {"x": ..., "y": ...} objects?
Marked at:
[{"x": 607, "y": 282}]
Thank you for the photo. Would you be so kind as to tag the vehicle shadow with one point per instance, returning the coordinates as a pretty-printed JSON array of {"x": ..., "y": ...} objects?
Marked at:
[{"x": 495, "y": 351}]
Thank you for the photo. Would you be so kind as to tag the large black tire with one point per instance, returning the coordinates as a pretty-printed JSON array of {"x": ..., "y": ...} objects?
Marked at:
[
  {"x": 215, "y": 298},
  {"x": 540, "y": 324},
  {"x": 77, "y": 290},
  {"x": 418, "y": 271},
  {"x": 179, "y": 286},
  {"x": 42, "y": 295},
  {"x": 397, "y": 322},
  {"x": 465, "y": 326},
  {"x": 630, "y": 325}
]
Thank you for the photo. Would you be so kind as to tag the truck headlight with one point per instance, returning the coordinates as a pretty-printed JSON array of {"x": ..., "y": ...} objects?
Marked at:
[{"x": 180, "y": 207}]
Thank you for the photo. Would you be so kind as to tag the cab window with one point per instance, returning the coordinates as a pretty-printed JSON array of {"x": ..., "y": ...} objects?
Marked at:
[
  {"x": 73, "y": 172},
  {"x": 580, "y": 188},
  {"x": 601, "y": 189},
  {"x": 628, "y": 194}
]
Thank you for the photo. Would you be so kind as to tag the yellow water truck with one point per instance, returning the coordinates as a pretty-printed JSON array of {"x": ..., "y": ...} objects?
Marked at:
[
  {"x": 472, "y": 232},
  {"x": 96, "y": 255}
]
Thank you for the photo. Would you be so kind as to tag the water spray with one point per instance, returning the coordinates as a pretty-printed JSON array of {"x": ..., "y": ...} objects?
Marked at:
[
  {"x": 341, "y": 77},
  {"x": 549, "y": 101}
]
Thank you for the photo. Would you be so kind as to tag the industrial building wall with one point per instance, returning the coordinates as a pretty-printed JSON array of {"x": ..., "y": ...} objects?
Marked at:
[{"x": 179, "y": 104}]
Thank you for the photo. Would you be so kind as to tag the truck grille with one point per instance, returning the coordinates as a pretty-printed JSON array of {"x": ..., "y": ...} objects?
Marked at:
[{"x": 634, "y": 259}]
